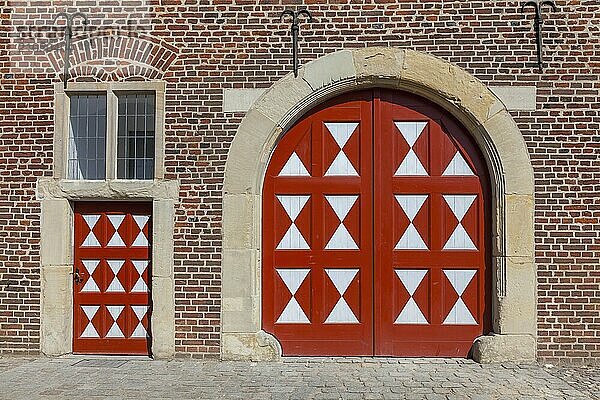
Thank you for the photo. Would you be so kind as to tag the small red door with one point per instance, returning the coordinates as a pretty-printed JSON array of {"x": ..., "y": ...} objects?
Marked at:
[
  {"x": 111, "y": 289},
  {"x": 375, "y": 219}
]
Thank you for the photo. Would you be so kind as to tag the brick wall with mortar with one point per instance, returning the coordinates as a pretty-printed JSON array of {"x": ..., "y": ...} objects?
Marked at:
[{"x": 208, "y": 46}]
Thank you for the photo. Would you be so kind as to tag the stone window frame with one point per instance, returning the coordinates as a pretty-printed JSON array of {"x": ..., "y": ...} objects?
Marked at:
[
  {"x": 57, "y": 196},
  {"x": 111, "y": 89}
]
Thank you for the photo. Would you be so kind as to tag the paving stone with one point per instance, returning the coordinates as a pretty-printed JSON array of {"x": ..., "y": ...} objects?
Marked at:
[{"x": 298, "y": 378}]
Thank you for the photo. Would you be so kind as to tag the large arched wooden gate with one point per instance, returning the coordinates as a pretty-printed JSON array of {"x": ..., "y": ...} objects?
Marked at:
[{"x": 375, "y": 231}]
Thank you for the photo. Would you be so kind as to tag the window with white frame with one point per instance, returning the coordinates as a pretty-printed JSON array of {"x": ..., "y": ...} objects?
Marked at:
[{"x": 112, "y": 134}]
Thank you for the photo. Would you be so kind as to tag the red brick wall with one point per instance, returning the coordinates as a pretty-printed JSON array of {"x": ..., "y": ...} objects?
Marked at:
[{"x": 227, "y": 44}]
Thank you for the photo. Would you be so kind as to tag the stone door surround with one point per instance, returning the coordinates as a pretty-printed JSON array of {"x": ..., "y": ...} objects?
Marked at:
[{"x": 463, "y": 95}]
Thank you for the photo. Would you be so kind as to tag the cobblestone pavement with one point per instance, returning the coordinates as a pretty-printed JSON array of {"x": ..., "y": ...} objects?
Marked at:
[{"x": 347, "y": 378}]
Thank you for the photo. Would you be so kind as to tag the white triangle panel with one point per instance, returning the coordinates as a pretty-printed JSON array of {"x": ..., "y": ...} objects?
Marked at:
[
  {"x": 411, "y": 240},
  {"x": 115, "y": 330},
  {"x": 341, "y": 166},
  {"x": 341, "y": 314},
  {"x": 411, "y": 204},
  {"x": 411, "y": 130},
  {"x": 141, "y": 240},
  {"x": 293, "y": 278},
  {"x": 458, "y": 167},
  {"x": 341, "y": 131},
  {"x": 91, "y": 240},
  {"x": 460, "y": 278},
  {"x": 460, "y": 315},
  {"x": 459, "y": 204},
  {"x": 411, "y": 314},
  {"x": 341, "y": 240},
  {"x": 293, "y": 240},
  {"x": 140, "y": 311},
  {"x": 411, "y": 166},
  {"x": 90, "y": 285},
  {"x": 140, "y": 265},
  {"x": 293, "y": 205},
  {"x": 116, "y": 240},
  {"x": 140, "y": 286},
  {"x": 411, "y": 278},
  {"x": 293, "y": 314},
  {"x": 460, "y": 240},
  {"x": 341, "y": 205},
  {"x": 139, "y": 331},
  {"x": 115, "y": 285},
  {"x": 341, "y": 278},
  {"x": 90, "y": 331},
  {"x": 294, "y": 167}
]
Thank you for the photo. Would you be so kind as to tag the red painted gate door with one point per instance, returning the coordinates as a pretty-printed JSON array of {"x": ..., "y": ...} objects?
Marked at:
[
  {"x": 373, "y": 231},
  {"x": 112, "y": 278},
  {"x": 317, "y": 214},
  {"x": 430, "y": 257}
]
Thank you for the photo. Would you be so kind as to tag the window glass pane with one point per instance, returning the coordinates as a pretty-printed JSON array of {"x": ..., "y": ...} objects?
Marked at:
[
  {"x": 87, "y": 137},
  {"x": 135, "y": 138}
]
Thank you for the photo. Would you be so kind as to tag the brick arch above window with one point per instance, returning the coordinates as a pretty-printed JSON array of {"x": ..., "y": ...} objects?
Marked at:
[{"x": 116, "y": 58}]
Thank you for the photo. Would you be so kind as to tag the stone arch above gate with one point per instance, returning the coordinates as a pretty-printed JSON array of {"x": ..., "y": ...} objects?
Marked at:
[{"x": 463, "y": 95}]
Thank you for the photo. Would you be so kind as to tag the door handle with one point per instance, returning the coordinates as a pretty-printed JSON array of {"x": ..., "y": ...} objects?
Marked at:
[{"x": 77, "y": 278}]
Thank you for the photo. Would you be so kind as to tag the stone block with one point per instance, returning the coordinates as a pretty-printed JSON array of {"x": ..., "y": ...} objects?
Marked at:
[
  {"x": 258, "y": 346},
  {"x": 284, "y": 99},
  {"x": 516, "y": 313},
  {"x": 239, "y": 220},
  {"x": 162, "y": 322},
  {"x": 56, "y": 314},
  {"x": 248, "y": 155},
  {"x": 513, "y": 153},
  {"x": 519, "y": 228},
  {"x": 504, "y": 349},
  {"x": 240, "y": 100},
  {"x": 163, "y": 219},
  {"x": 379, "y": 64},
  {"x": 516, "y": 98},
  {"x": 56, "y": 247},
  {"x": 328, "y": 69}
]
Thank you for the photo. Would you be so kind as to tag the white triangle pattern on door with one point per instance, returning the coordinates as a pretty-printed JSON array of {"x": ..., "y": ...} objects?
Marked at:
[
  {"x": 91, "y": 240},
  {"x": 140, "y": 311},
  {"x": 116, "y": 240},
  {"x": 459, "y": 239},
  {"x": 411, "y": 239},
  {"x": 293, "y": 239},
  {"x": 460, "y": 314},
  {"x": 411, "y": 165},
  {"x": 115, "y": 312},
  {"x": 294, "y": 167},
  {"x": 458, "y": 167},
  {"x": 341, "y": 238},
  {"x": 90, "y": 284},
  {"x": 411, "y": 313},
  {"x": 141, "y": 240},
  {"x": 293, "y": 313},
  {"x": 140, "y": 285},
  {"x": 341, "y": 312},
  {"x": 115, "y": 285},
  {"x": 90, "y": 313},
  {"x": 341, "y": 132}
]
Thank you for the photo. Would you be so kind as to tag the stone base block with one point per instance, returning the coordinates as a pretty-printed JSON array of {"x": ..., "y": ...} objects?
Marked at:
[
  {"x": 504, "y": 348},
  {"x": 259, "y": 346}
]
